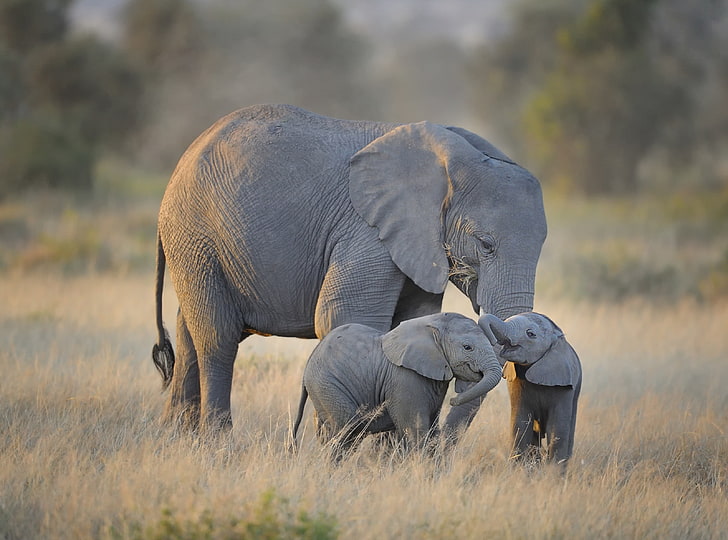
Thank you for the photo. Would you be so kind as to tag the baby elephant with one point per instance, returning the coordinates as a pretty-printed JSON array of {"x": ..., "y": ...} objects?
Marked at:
[
  {"x": 544, "y": 380},
  {"x": 364, "y": 381}
]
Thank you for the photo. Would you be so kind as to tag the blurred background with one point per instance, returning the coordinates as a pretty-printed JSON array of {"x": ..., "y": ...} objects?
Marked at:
[{"x": 619, "y": 107}]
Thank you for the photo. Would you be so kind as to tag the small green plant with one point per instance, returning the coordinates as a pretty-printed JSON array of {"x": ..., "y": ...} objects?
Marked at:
[
  {"x": 271, "y": 518},
  {"x": 715, "y": 283}
]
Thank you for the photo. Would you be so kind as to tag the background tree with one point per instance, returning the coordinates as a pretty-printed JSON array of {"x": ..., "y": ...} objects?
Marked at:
[
  {"x": 238, "y": 53},
  {"x": 67, "y": 98},
  {"x": 164, "y": 38},
  {"x": 606, "y": 103},
  {"x": 28, "y": 24},
  {"x": 610, "y": 96},
  {"x": 504, "y": 74}
]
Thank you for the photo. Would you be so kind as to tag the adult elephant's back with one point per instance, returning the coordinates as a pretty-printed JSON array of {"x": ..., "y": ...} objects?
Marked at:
[{"x": 263, "y": 196}]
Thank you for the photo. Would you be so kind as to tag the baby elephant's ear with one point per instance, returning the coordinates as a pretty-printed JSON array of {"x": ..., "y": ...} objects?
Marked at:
[
  {"x": 560, "y": 366},
  {"x": 415, "y": 345}
]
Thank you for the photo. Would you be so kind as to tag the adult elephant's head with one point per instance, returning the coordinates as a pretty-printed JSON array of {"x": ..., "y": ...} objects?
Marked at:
[{"x": 448, "y": 204}]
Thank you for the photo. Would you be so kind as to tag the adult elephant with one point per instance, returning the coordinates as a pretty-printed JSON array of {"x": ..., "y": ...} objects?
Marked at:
[{"x": 279, "y": 221}]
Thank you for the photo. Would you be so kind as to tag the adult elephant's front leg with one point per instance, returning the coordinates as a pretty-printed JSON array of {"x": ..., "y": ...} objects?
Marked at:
[
  {"x": 358, "y": 289},
  {"x": 415, "y": 302}
]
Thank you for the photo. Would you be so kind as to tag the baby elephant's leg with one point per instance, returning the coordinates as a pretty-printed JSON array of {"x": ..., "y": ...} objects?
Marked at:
[
  {"x": 415, "y": 426},
  {"x": 559, "y": 431},
  {"x": 337, "y": 419},
  {"x": 526, "y": 440},
  {"x": 347, "y": 439}
]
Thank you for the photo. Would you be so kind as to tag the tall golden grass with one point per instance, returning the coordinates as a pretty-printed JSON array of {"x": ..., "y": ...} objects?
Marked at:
[{"x": 82, "y": 453}]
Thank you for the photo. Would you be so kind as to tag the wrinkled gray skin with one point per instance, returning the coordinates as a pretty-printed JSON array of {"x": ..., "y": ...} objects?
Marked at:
[
  {"x": 355, "y": 369},
  {"x": 544, "y": 380},
  {"x": 278, "y": 221}
]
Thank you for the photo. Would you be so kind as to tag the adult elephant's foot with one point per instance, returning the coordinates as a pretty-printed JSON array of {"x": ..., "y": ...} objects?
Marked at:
[
  {"x": 218, "y": 424},
  {"x": 185, "y": 418}
]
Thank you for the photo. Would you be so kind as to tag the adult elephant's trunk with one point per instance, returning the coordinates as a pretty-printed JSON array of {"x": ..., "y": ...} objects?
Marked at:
[
  {"x": 504, "y": 293},
  {"x": 492, "y": 374}
]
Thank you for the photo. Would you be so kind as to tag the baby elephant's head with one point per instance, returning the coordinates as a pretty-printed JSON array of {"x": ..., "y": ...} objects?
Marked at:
[
  {"x": 535, "y": 341},
  {"x": 443, "y": 346},
  {"x": 524, "y": 338}
]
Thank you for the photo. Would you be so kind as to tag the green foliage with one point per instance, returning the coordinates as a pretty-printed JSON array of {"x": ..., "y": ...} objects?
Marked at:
[
  {"x": 43, "y": 152},
  {"x": 616, "y": 273},
  {"x": 611, "y": 96},
  {"x": 613, "y": 24},
  {"x": 28, "y": 24},
  {"x": 88, "y": 83},
  {"x": 163, "y": 37},
  {"x": 506, "y": 73},
  {"x": 606, "y": 103},
  {"x": 714, "y": 283},
  {"x": 64, "y": 98},
  {"x": 271, "y": 519},
  {"x": 11, "y": 88},
  {"x": 596, "y": 118}
]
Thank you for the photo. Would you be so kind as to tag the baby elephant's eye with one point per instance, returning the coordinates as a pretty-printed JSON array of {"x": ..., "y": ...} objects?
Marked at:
[
  {"x": 530, "y": 333},
  {"x": 468, "y": 347}
]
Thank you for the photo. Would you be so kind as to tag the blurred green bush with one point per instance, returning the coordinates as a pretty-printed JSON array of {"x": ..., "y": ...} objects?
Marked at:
[
  {"x": 66, "y": 98},
  {"x": 44, "y": 152},
  {"x": 272, "y": 518}
]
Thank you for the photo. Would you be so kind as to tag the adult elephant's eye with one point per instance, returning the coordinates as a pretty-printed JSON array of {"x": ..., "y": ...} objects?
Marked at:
[
  {"x": 530, "y": 333},
  {"x": 468, "y": 347},
  {"x": 487, "y": 244}
]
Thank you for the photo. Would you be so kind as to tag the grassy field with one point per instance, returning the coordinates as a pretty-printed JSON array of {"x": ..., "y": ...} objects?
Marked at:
[{"x": 82, "y": 454}]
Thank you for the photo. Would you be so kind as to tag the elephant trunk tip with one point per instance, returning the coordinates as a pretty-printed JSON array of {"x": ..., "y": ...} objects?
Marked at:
[{"x": 163, "y": 358}]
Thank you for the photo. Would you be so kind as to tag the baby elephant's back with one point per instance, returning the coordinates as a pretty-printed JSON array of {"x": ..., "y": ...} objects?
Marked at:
[{"x": 347, "y": 360}]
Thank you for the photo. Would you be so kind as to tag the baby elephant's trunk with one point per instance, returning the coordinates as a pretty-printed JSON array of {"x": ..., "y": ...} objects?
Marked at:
[{"x": 492, "y": 373}]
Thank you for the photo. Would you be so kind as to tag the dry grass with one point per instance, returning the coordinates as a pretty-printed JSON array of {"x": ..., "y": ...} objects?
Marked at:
[{"x": 82, "y": 454}]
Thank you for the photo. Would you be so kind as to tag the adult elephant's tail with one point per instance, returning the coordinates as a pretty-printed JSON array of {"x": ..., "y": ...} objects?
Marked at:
[{"x": 162, "y": 352}]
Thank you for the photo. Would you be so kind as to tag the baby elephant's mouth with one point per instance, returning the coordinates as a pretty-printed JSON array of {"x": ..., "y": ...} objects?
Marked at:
[
  {"x": 474, "y": 374},
  {"x": 507, "y": 349}
]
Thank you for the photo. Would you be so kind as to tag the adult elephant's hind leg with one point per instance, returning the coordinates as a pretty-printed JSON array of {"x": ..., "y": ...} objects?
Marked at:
[
  {"x": 216, "y": 328},
  {"x": 216, "y": 378},
  {"x": 183, "y": 403}
]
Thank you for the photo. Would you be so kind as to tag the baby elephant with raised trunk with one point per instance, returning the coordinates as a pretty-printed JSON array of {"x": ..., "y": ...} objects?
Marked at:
[
  {"x": 544, "y": 380},
  {"x": 362, "y": 381}
]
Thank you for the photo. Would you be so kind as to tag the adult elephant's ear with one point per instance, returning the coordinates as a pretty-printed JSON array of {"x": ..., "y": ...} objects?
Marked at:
[
  {"x": 414, "y": 344},
  {"x": 558, "y": 367},
  {"x": 399, "y": 183},
  {"x": 481, "y": 144}
]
